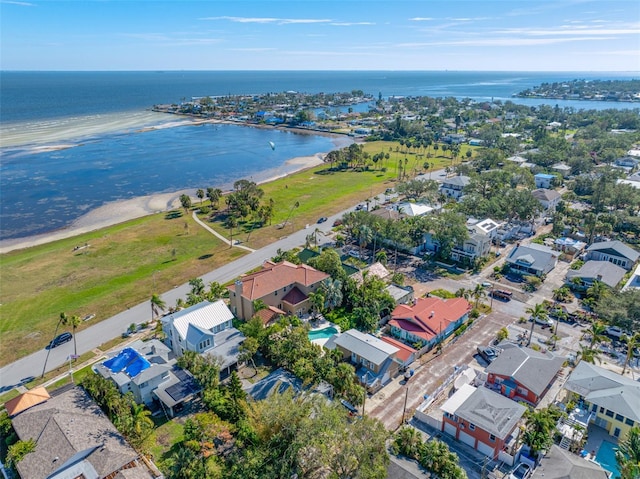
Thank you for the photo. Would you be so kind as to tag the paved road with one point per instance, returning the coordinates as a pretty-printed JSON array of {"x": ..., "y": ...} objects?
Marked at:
[{"x": 88, "y": 339}]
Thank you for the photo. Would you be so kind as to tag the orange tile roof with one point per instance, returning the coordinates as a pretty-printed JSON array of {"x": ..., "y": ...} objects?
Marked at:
[
  {"x": 294, "y": 296},
  {"x": 433, "y": 314},
  {"x": 405, "y": 351},
  {"x": 26, "y": 400},
  {"x": 275, "y": 276},
  {"x": 413, "y": 329},
  {"x": 269, "y": 314}
]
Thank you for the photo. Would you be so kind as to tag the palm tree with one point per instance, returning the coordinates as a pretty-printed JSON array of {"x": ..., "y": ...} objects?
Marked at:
[
  {"x": 408, "y": 441},
  {"x": 589, "y": 355},
  {"x": 364, "y": 237},
  {"x": 597, "y": 291},
  {"x": 200, "y": 194},
  {"x": 463, "y": 293},
  {"x": 317, "y": 302},
  {"x": 332, "y": 291},
  {"x": 232, "y": 222},
  {"x": 258, "y": 305},
  {"x": 214, "y": 195},
  {"x": 197, "y": 286},
  {"x": 596, "y": 331},
  {"x": 478, "y": 293},
  {"x": 157, "y": 305},
  {"x": 631, "y": 344},
  {"x": 141, "y": 422},
  {"x": 73, "y": 321},
  {"x": 216, "y": 291},
  {"x": 537, "y": 311},
  {"x": 628, "y": 455}
]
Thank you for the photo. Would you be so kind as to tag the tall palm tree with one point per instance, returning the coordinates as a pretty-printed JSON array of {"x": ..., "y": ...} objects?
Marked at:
[
  {"x": 631, "y": 344},
  {"x": 364, "y": 237},
  {"x": 537, "y": 311},
  {"x": 332, "y": 290},
  {"x": 478, "y": 293},
  {"x": 200, "y": 194},
  {"x": 463, "y": 293},
  {"x": 589, "y": 355},
  {"x": 216, "y": 291},
  {"x": 141, "y": 422},
  {"x": 596, "y": 331},
  {"x": 317, "y": 301},
  {"x": 157, "y": 305},
  {"x": 628, "y": 455},
  {"x": 73, "y": 321}
]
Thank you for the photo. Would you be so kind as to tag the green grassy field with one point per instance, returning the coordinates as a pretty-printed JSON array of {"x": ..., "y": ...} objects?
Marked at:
[{"x": 124, "y": 264}]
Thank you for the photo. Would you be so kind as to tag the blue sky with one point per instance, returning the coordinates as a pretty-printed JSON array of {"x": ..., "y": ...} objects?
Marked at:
[{"x": 531, "y": 35}]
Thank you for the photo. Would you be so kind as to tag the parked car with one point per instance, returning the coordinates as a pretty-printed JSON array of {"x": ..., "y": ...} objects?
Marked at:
[
  {"x": 544, "y": 322},
  {"x": 60, "y": 339},
  {"x": 488, "y": 353},
  {"x": 486, "y": 284},
  {"x": 615, "y": 332},
  {"x": 337, "y": 222},
  {"x": 359, "y": 207},
  {"x": 322, "y": 220},
  {"x": 354, "y": 253},
  {"x": 501, "y": 294},
  {"x": 350, "y": 407},
  {"x": 522, "y": 471}
]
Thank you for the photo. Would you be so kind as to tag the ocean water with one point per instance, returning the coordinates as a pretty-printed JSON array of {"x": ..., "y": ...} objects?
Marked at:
[{"x": 73, "y": 141}]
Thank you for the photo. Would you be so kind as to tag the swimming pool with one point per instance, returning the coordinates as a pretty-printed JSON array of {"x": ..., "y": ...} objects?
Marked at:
[
  {"x": 606, "y": 456},
  {"x": 324, "y": 333}
]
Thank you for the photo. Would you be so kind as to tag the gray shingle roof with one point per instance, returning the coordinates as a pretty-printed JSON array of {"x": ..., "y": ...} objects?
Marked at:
[
  {"x": 606, "y": 389},
  {"x": 64, "y": 426},
  {"x": 530, "y": 368},
  {"x": 561, "y": 464},
  {"x": 460, "y": 180},
  {"x": 366, "y": 346},
  {"x": 617, "y": 246},
  {"x": 610, "y": 274},
  {"x": 534, "y": 256},
  {"x": 491, "y": 412}
]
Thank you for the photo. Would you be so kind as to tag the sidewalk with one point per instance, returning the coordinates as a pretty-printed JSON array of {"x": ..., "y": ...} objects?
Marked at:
[{"x": 218, "y": 235}]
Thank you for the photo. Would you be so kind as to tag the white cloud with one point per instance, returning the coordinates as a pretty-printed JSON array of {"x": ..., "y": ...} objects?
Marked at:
[
  {"x": 349, "y": 24},
  {"x": 14, "y": 2},
  {"x": 264, "y": 20},
  {"x": 582, "y": 30},
  {"x": 421, "y": 19},
  {"x": 499, "y": 42},
  {"x": 257, "y": 49}
]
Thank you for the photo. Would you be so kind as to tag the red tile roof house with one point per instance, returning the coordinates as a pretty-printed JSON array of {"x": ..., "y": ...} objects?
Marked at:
[
  {"x": 483, "y": 420},
  {"x": 523, "y": 374},
  {"x": 285, "y": 286},
  {"x": 429, "y": 320}
]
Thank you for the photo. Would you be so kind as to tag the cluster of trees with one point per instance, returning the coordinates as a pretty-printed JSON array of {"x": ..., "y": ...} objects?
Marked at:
[
  {"x": 131, "y": 419},
  {"x": 433, "y": 455},
  {"x": 286, "y": 344}
]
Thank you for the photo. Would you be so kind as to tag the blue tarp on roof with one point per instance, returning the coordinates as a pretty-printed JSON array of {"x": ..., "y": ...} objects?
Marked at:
[{"x": 129, "y": 361}]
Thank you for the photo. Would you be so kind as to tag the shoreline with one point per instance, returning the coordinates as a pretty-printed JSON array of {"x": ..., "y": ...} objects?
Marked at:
[{"x": 117, "y": 212}]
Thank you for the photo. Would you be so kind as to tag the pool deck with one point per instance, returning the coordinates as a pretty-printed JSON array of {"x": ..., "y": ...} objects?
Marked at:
[
  {"x": 596, "y": 435},
  {"x": 322, "y": 324}
]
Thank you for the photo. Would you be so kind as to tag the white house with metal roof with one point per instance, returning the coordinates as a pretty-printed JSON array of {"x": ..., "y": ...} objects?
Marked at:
[{"x": 615, "y": 252}]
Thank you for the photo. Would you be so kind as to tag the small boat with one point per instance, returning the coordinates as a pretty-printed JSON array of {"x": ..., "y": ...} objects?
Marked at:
[{"x": 272, "y": 145}]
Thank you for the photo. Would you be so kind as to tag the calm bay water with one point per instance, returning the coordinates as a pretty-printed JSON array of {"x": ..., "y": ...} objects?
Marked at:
[{"x": 97, "y": 117}]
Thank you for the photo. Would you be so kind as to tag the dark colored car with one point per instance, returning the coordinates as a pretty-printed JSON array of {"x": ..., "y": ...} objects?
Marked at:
[
  {"x": 322, "y": 220},
  {"x": 60, "y": 339},
  {"x": 488, "y": 353},
  {"x": 502, "y": 295}
]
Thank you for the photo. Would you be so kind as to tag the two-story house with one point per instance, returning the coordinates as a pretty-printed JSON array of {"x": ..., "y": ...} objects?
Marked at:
[
  {"x": 615, "y": 252},
  {"x": 475, "y": 246},
  {"x": 375, "y": 360},
  {"x": 543, "y": 180},
  {"x": 549, "y": 199},
  {"x": 284, "y": 285},
  {"x": 205, "y": 328},
  {"x": 533, "y": 259},
  {"x": 428, "y": 321},
  {"x": 593, "y": 271},
  {"x": 523, "y": 374},
  {"x": 612, "y": 401},
  {"x": 454, "y": 187},
  {"x": 483, "y": 419}
]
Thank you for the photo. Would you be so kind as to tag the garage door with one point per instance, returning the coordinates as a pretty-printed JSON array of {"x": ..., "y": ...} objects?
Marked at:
[
  {"x": 485, "y": 449},
  {"x": 450, "y": 429},
  {"x": 467, "y": 439}
]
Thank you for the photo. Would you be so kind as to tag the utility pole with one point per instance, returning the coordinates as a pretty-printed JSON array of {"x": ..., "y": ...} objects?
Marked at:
[{"x": 404, "y": 409}]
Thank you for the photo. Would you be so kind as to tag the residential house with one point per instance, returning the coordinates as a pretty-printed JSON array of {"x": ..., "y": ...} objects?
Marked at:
[
  {"x": 454, "y": 187},
  {"x": 205, "y": 328},
  {"x": 414, "y": 209},
  {"x": 517, "y": 159},
  {"x": 522, "y": 374},
  {"x": 486, "y": 227},
  {"x": 627, "y": 162},
  {"x": 549, "y": 199},
  {"x": 533, "y": 259},
  {"x": 543, "y": 180},
  {"x": 400, "y": 294},
  {"x": 406, "y": 355},
  {"x": 559, "y": 463},
  {"x": 569, "y": 245},
  {"x": 562, "y": 168},
  {"x": 612, "y": 400},
  {"x": 283, "y": 285},
  {"x": 375, "y": 360},
  {"x": 615, "y": 252},
  {"x": 475, "y": 246},
  {"x": 634, "y": 281},
  {"x": 139, "y": 369},
  {"x": 592, "y": 271},
  {"x": 429, "y": 320},
  {"x": 74, "y": 439},
  {"x": 482, "y": 419}
]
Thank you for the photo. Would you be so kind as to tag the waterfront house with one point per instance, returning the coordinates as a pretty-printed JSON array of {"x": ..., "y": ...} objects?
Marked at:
[
  {"x": 205, "y": 328},
  {"x": 375, "y": 360},
  {"x": 609, "y": 400},
  {"x": 592, "y": 271},
  {"x": 283, "y": 285},
  {"x": 74, "y": 439},
  {"x": 454, "y": 187},
  {"x": 429, "y": 320},
  {"x": 483, "y": 419},
  {"x": 522, "y": 374},
  {"x": 615, "y": 252},
  {"x": 543, "y": 180},
  {"x": 533, "y": 259}
]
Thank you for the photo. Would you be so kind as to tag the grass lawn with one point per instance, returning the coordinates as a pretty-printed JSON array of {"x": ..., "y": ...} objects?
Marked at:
[
  {"x": 164, "y": 436},
  {"x": 124, "y": 264}
]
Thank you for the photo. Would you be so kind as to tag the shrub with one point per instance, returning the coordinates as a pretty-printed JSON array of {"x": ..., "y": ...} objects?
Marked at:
[
  {"x": 502, "y": 334},
  {"x": 442, "y": 293}
]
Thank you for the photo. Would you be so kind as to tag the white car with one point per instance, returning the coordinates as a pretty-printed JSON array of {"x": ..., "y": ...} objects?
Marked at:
[
  {"x": 543, "y": 321},
  {"x": 354, "y": 253},
  {"x": 522, "y": 471},
  {"x": 616, "y": 333}
]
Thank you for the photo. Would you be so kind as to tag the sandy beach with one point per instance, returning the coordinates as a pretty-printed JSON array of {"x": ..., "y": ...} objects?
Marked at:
[{"x": 125, "y": 210}]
